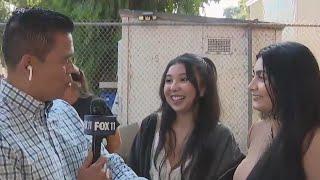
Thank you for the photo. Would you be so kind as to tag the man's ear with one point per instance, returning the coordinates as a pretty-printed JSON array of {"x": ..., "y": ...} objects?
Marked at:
[
  {"x": 26, "y": 65},
  {"x": 25, "y": 62}
]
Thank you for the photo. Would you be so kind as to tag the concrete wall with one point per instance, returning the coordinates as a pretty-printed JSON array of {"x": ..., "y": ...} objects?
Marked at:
[
  {"x": 256, "y": 10},
  {"x": 292, "y": 12}
]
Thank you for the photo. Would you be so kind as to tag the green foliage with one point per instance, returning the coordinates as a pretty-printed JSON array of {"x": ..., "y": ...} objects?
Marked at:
[
  {"x": 4, "y": 11},
  {"x": 187, "y": 7},
  {"x": 95, "y": 46},
  {"x": 231, "y": 12},
  {"x": 239, "y": 12},
  {"x": 87, "y": 10},
  {"x": 4, "y": 14}
]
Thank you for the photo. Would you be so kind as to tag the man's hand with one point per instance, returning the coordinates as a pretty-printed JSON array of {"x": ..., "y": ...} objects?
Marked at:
[{"x": 95, "y": 171}]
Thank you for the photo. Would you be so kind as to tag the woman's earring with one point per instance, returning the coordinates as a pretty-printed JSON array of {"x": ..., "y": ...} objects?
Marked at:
[{"x": 30, "y": 72}]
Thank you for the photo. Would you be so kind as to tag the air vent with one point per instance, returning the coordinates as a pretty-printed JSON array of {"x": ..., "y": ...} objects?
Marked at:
[{"x": 219, "y": 45}]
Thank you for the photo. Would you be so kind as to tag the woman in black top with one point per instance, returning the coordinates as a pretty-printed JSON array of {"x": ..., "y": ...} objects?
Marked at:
[
  {"x": 291, "y": 74},
  {"x": 184, "y": 139}
]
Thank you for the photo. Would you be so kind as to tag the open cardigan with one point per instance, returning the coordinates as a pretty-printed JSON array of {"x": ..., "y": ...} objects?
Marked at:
[{"x": 226, "y": 155}]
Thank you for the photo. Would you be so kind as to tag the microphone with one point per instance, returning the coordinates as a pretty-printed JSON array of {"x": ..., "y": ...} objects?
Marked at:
[{"x": 99, "y": 125}]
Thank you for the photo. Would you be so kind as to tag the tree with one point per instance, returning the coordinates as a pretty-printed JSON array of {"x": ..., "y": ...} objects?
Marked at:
[
  {"x": 108, "y": 9},
  {"x": 239, "y": 12},
  {"x": 231, "y": 12},
  {"x": 188, "y": 7},
  {"x": 4, "y": 10}
]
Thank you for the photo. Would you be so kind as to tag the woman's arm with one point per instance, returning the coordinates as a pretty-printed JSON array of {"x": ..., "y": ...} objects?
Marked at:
[{"x": 311, "y": 159}]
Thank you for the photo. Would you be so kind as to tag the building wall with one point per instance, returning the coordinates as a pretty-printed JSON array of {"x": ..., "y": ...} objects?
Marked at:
[
  {"x": 273, "y": 10},
  {"x": 308, "y": 12},
  {"x": 286, "y": 11},
  {"x": 279, "y": 11},
  {"x": 256, "y": 10},
  {"x": 293, "y": 12}
]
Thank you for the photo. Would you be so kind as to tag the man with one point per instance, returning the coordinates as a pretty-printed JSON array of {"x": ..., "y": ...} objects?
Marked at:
[{"x": 41, "y": 138}]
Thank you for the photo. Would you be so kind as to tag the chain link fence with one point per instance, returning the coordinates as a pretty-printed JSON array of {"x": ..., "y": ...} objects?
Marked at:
[
  {"x": 308, "y": 35},
  {"x": 130, "y": 59},
  {"x": 96, "y": 53}
]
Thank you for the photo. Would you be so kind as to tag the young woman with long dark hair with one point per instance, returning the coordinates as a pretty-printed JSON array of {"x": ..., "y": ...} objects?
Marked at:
[
  {"x": 286, "y": 89},
  {"x": 184, "y": 139}
]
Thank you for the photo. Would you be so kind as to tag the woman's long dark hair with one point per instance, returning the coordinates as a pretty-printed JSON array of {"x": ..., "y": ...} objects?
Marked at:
[
  {"x": 294, "y": 81},
  {"x": 205, "y": 120}
]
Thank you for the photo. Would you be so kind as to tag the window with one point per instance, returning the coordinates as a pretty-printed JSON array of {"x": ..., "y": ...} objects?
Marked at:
[{"x": 219, "y": 45}]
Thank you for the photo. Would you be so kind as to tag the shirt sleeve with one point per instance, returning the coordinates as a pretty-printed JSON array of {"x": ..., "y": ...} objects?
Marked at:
[
  {"x": 9, "y": 163},
  {"x": 119, "y": 169}
]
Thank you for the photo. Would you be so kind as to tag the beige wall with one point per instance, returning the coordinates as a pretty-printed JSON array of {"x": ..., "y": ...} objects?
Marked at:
[
  {"x": 256, "y": 10},
  {"x": 286, "y": 11},
  {"x": 308, "y": 12},
  {"x": 293, "y": 12}
]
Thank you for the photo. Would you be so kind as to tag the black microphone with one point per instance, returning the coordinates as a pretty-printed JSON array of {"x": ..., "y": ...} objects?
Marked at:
[{"x": 99, "y": 124}]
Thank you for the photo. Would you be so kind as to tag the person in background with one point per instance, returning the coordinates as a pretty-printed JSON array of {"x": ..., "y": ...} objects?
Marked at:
[
  {"x": 184, "y": 139},
  {"x": 79, "y": 96},
  {"x": 285, "y": 87}
]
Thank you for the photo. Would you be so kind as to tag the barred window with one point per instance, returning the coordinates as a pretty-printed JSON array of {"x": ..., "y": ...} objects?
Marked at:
[{"x": 219, "y": 45}]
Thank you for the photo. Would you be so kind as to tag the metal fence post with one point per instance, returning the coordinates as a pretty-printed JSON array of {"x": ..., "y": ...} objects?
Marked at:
[{"x": 249, "y": 33}]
